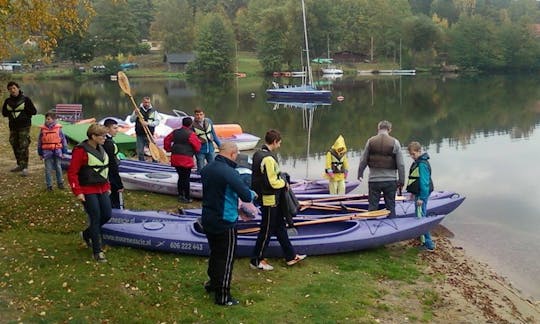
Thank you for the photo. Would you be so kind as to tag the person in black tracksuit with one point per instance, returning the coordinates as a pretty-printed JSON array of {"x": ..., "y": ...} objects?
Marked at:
[{"x": 222, "y": 186}]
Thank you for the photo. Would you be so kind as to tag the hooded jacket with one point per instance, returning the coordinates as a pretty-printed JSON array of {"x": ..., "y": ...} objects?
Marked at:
[
  {"x": 420, "y": 183},
  {"x": 337, "y": 164}
]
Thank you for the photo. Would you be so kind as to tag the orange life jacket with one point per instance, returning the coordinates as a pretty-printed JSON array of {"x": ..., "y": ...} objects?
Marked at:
[{"x": 50, "y": 137}]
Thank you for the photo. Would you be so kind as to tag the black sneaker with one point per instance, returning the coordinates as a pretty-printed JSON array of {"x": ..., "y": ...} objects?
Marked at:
[
  {"x": 208, "y": 287},
  {"x": 230, "y": 302},
  {"x": 61, "y": 186},
  {"x": 49, "y": 188}
]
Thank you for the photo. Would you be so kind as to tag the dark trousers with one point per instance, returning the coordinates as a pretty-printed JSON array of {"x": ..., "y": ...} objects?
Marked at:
[
  {"x": 115, "y": 196},
  {"x": 20, "y": 141},
  {"x": 183, "y": 181},
  {"x": 98, "y": 209},
  {"x": 272, "y": 223},
  {"x": 388, "y": 190},
  {"x": 221, "y": 262}
]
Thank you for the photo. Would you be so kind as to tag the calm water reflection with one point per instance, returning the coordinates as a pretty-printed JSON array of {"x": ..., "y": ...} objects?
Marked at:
[{"x": 481, "y": 132}]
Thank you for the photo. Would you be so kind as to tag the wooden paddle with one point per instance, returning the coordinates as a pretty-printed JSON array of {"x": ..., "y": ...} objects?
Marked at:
[
  {"x": 332, "y": 198},
  {"x": 339, "y": 200},
  {"x": 157, "y": 153},
  {"x": 370, "y": 214},
  {"x": 340, "y": 207}
]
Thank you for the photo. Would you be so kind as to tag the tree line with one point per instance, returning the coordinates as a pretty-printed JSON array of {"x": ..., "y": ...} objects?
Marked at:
[{"x": 472, "y": 34}]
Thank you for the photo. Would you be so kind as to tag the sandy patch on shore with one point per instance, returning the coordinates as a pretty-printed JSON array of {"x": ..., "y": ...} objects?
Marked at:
[{"x": 471, "y": 292}]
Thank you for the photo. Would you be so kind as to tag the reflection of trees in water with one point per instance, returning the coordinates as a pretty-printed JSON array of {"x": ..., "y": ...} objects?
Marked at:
[{"x": 422, "y": 108}]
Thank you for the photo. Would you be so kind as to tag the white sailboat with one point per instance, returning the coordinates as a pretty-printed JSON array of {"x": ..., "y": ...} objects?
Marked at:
[
  {"x": 330, "y": 69},
  {"x": 307, "y": 90}
]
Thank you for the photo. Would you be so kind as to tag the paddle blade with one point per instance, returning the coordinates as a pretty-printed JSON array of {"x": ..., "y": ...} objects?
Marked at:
[
  {"x": 123, "y": 82},
  {"x": 373, "y": 214},
  {"x": 154, "y": 151},
  {"x": 163, "y": 157}
]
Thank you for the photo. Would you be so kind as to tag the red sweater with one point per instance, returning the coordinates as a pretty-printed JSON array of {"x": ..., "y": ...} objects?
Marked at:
[{"x": 79, "y": 158}]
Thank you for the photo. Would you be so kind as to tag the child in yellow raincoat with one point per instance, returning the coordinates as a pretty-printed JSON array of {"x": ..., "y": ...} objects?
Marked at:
[{"x": 337, "y": 167}]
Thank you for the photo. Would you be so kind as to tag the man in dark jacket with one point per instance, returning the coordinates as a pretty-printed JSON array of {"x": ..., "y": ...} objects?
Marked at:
[
  {"x": 150, "y": 120},
  {"x": 19, "y": 110},
  {"x": 222, "y": 186},
  {"x": 112, "y": 151}
]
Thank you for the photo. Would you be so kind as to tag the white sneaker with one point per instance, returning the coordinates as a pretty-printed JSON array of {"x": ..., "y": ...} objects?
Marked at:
[
  {"x": 263, "y": 265},
  {"x": 297, "y": 258},
  {"x": 24, "y": 172}
]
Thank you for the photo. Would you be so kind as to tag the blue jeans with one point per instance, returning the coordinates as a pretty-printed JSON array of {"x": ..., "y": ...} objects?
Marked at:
[
  {"x": 426, "y": 238},
  {"x": 142, "y": 142},
  {"x": 388, "y": 189},
  {"x": 98, "y": 209},
  {"x": 52, "y": 164},
  {"x": 208, "y": 156}
]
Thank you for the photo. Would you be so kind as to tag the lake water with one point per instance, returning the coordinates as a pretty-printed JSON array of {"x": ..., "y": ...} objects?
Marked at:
[{"x": 482, "y": 134}]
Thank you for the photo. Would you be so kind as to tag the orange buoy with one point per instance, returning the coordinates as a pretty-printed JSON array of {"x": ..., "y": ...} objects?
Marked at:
[{"x": 340, "y": 98}]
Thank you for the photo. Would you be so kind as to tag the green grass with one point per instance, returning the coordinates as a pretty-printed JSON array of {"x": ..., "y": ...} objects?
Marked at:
[{"x": 47, "y": 274}]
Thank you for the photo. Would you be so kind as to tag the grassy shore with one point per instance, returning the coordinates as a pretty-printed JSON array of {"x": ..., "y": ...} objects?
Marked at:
[{"x": 47, "y": 274}]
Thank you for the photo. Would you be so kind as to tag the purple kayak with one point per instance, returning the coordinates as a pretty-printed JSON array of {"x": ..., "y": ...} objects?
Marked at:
[
  {"x": 442, "y": 206},
  {"x": 187, "y": 237},
  {"x": 166, "y": 183}
]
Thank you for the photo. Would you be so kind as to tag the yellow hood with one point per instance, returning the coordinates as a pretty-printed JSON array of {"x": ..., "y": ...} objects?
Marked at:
[{"x": 339, "y": 145}]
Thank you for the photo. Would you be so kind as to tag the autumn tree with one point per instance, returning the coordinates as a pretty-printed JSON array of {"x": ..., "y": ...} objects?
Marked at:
[
  {"x": 42, "y": 22},
  {"x": 114, "y": 28}
]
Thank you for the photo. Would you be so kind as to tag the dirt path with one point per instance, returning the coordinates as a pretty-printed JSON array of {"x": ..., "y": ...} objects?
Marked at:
[{"x": 471, "y": 292}]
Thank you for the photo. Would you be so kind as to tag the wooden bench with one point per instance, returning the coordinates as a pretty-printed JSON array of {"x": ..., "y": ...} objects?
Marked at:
[{"x": 68, "y": 112}]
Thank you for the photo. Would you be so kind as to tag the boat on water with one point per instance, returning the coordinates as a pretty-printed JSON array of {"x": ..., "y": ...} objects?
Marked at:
[
  {"x": 298, "y": 103},
  {"x": 387, "y": 72},
  {"x": 186, "y": 236},
  {"x": 166, "y": 183},
  {"x": 331, "y": 70},
  {"x": 307, "y": 90}
]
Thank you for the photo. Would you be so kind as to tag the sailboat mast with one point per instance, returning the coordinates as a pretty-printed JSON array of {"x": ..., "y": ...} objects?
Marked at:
[{"x": 310, "y": 73}]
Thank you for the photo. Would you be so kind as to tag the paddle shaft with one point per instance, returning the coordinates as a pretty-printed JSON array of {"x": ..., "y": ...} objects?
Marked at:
[
  {"x": 371, "y": 214},
  {"x": 332, "y": 207},
  {"x": 332, "y": 201}
]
